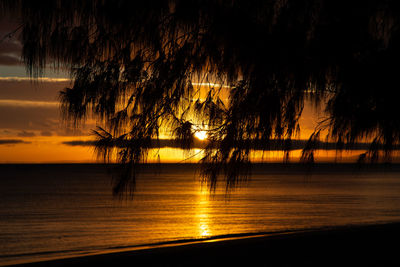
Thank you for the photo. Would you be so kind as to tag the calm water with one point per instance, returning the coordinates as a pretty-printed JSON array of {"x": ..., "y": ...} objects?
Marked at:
[{"x": 49, "y": 211}]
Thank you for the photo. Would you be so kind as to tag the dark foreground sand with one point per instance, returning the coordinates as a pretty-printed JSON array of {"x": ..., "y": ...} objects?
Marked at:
[{"x": 377, "y": 245}]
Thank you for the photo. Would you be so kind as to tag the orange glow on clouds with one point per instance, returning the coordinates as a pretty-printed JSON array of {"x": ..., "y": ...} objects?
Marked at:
[
  {"x": 51, "y": 150},
  {"x": 29, "y": 107}
]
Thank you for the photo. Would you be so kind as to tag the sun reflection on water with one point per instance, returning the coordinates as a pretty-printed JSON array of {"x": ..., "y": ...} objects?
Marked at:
[{"x": 202, "y": 214}]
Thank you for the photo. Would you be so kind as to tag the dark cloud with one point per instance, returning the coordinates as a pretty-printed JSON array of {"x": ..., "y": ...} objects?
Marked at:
[
  {"x": 12, "y": 141},
  {"x": 78, "y": 143},
  {"x": 155, "y": 143},
  {"x": 26, "y": 134},
  {"x": 10, "y": 60},
  {"x": 10, "y": 46},
  {"x": 42, "y": 118},
  {"x": 24, "y": 89},
  {"x": 28, "y": 117}
]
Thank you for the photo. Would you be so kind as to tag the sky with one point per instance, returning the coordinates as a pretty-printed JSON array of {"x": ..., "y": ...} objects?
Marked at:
[{"x": 32, "y": 129}]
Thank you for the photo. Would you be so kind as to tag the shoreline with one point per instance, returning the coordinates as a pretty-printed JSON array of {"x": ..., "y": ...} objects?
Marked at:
[{"x": 363, "y": 245}]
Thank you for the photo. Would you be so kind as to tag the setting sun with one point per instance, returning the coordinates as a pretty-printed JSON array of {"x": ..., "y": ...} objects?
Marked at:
[{"x": 201, "y": 135}]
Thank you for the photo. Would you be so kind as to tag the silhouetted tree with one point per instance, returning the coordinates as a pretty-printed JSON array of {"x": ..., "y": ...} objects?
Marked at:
[{"x": 135, "y": 63}]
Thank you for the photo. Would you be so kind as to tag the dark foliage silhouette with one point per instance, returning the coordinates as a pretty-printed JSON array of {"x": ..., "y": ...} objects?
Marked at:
[{"x": 135, "y": 64}]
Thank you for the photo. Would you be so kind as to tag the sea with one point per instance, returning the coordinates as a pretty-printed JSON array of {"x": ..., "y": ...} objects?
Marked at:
[{"x": 50, "y": 211}]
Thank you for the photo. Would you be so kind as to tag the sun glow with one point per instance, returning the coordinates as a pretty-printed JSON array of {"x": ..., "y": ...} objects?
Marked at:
[
  {"x": 201, "y": 135},
  {"x": 203, "y": 214}
]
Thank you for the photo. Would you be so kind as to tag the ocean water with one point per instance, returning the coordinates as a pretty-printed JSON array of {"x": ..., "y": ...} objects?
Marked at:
[{"x": 53, "y": 211}]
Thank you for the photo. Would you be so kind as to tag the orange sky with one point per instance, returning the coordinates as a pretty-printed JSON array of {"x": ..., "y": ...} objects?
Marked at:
[{"x": 31, "y": 130}]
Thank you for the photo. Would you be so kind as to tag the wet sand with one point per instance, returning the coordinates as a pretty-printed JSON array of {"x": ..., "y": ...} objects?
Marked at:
[{"x": 371, "y": 245}]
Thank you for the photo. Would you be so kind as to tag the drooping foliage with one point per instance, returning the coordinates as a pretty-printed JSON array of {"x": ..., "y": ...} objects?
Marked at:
[{"x": 136, "y": 64}]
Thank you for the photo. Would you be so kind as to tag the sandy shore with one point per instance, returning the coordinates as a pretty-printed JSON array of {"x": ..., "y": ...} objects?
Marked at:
[{"x": 373, "y": 245}]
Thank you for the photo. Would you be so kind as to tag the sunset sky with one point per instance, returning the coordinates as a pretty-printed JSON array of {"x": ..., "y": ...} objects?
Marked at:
[{"x": 31, "y": 128}]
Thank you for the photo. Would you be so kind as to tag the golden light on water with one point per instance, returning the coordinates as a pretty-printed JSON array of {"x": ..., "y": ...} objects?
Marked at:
[
  {"x": 202, "y": 214},
  {"x": 204, "y": 231}
]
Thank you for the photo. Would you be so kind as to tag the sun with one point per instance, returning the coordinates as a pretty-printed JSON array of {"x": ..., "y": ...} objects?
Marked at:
[{"x": 201, "y": 135}]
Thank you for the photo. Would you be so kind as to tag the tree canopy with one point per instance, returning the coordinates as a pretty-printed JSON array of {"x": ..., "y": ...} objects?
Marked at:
[{"x": 135, "y": 64}]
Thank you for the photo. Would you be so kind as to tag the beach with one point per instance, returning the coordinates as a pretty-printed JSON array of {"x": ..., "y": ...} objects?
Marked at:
[{"x": 368, "y": 245}]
